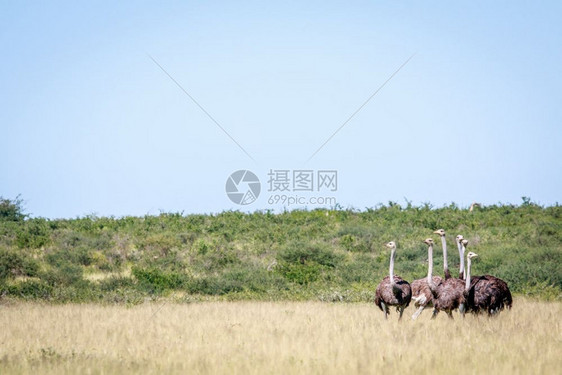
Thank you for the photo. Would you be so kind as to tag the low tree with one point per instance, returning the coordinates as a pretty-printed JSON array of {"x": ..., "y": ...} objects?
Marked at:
[{"x": 12, "y": 209}]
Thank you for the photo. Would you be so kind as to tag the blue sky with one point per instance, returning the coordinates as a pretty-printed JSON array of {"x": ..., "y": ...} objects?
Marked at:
[{"x": 90, "y": 124}]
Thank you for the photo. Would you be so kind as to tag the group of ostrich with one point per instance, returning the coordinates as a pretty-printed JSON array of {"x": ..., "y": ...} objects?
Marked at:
[{"x": 467, "y": 293}]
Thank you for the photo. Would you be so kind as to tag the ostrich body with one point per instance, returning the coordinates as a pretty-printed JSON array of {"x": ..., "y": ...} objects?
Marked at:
[
  {"x": 450, "y": 296},
  {"x": 422, "y": 293},
  {"x": 393, "y": 290},
  {"x": 490, "y": 294},
  {"x": 486, "y": 293}
]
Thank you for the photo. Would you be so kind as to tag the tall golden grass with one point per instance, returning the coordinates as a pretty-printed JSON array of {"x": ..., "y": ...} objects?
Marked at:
[{"x": 278, "y": 338}]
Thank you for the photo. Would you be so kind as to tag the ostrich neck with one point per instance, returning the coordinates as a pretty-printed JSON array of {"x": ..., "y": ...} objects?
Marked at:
[
  {"x": 445, "y": 265},
  {"x": 467, "y": 277},
  {"x": 430, "y": 267},
  {"x": 461, "y": 256},
  {"x": 391, "y": 268}
]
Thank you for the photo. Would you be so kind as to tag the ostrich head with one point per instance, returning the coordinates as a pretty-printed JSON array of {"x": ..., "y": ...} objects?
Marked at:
[
  {"x": 471, "y": 255},
  {"x": 440, "y": 232},
  {"x": 390, "y": 245},
  {"x": 459, "y": 238},
  {"x": 428, "y": 241},
  {"x": 464, "y": 242}
]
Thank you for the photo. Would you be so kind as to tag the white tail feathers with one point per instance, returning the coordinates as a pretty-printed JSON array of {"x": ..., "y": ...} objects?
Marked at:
[{"x": 419, "y": 299}]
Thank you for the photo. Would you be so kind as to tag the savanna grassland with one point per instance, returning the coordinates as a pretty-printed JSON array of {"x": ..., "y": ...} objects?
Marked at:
[
  {"x": 247, "y": 337},
  {"x": 238, "y": 293}
]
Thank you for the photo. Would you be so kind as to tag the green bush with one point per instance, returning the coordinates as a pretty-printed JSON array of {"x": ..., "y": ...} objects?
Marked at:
[
  {"x": 160, "y": 243},
  {"x": 303, "y": 253},
  {"x": 14, "y": 263},
  {"x": 362, "y": 268},
  {"x": 358, "y": 237},
  {"x": 301, "y": 273},
  {"x": 214, "y": 285},
  {"x": 31, "y": 289},
  {"x": 33, "y": 233},
  {"x": 212, "y": 257},
  {"x": 155, "y": 280},
  {"x": 65, "y": 274},
  {"x": 78, "y": 256},
  {"x": 116, "y": 283}
]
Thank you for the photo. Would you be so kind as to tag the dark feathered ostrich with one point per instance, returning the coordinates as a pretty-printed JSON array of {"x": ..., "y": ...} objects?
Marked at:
[
  {"x": 422, "y": 293},
  {"x": 486, "y": 293},
  {"x": 450, "y": 294},
  {"x": 393, "y": 290}
]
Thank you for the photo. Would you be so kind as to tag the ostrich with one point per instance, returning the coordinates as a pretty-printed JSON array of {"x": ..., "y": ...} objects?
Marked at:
[
  {"x": 446, "y": 296},
  {"x": 462, "y": 272},
  {"x": 393, "y": 290},
  {"x": 441, "y": 233},
  {"x": 450, "y": 294},
  {"x": 422, "y": 293},
  {"x": 487, "y": 293}
]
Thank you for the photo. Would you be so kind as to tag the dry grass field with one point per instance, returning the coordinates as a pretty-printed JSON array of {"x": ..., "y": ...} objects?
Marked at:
[{"x": 278, "y": 338}]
